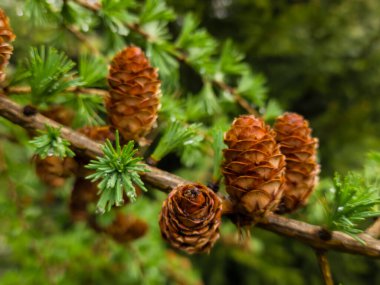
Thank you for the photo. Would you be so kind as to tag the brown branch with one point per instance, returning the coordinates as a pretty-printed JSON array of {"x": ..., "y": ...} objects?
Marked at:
[
  {"x": 82, "y": 38},
  {"x": 27, "y": 89},
  {"x": 91, "y": 5},
  {"x": 374, "y": 229},
  {"x": 315, "y": 236},
  {"x": 181, "y": 56},
  {"x": 165, "y": 181},
  {"x": 324, "y": 266}
]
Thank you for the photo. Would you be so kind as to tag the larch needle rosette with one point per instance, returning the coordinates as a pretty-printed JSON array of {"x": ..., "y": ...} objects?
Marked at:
[
  {"x": 118, "y": 170},
  {"x": 253, "y": 168},
  {"x": 134, "y": 93},
  {"x": 190, "y": 218},
  {"x": 300, "y": 149}
]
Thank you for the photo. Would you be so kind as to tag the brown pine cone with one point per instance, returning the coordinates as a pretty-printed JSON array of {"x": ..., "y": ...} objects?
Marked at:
[
  {"x": 6, "y": 37},
  {"x": 96, "y": 133},
  {"x": 190, "y": 218},
  {"x": 300, "y": 149},
  {"x": 83, "y": 193},
  {"x": 134, "y": 93},
  {"x": 54, "y": 170},
  {"x": 253, "y": 168},
  {"x": 126, "y": 228},
  {"x": 60, "y": 114}
]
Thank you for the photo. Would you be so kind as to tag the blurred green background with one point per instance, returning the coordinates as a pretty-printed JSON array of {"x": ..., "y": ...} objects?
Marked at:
[{"x": 319, "y": 58}]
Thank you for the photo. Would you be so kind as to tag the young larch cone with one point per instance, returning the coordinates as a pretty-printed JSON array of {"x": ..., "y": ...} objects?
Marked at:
[
  {"x": 6, "y": 37},
  {"x": 300, "y": 150},
  {"x": 190, "y": 218},
  {"x": 60, "y": 114},
  {"x": 253, "y": 168},
  {"x": 134, "y": 93},
  {"x": 53, "y": 170},
  {"x": 126, "y": 228},
  {"x": 84, "y": 192}
]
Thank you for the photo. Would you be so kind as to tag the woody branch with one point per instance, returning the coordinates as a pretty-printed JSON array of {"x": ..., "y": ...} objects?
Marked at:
[{"x": 306, "y": 233}]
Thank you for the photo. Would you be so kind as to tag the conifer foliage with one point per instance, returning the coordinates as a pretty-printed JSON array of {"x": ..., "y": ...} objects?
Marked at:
[{"x": 266, "y": 170}]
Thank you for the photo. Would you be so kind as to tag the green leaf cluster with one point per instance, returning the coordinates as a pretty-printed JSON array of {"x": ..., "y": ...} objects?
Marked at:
[
  {"x": 50, "y": 143},
  {"x": 354, "y": 201},
  {"x": 176, "y": 137},
  {"x": 49, "y": 73},
  {"x": 118, "y": 172}
]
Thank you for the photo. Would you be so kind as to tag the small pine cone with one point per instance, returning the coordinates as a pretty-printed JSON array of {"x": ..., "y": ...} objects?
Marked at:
[
  {"x": 253, "y": 168},
  {"x": 98, "y": 134},
  {"x": 190, "y": 218},
  {"x": 300, "y": 150},
  {"x": 60, "y": 114},
  {"x": 6, "y": 37},
  {"x": 134, "y": 93},
  {"x": 83, "y": 193},
  {"x": 54, "y": 170},
  {"x": 126, "y": 228}
]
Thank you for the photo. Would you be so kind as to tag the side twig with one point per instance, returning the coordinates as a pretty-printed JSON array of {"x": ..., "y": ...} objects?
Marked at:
[
  {"x": 324, "y": 266},
  {"x": 165, "y": 181},
  {"x": 179, "y": 55},
  {"x": 27, "y": 89}
]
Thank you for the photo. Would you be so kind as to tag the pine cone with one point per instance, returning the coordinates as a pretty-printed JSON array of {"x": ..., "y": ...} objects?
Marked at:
[
  {"x": 126, "y": 228},
  {"x": 60, "y": 114},
  {"x": 300, "y": 149},
  {"x": 190, "y": 218},
  {"x": 96, "y": 133},
  {"x": 134, "y": 93},
  {"x": 253, "y": 168},
  {"x": 6, "y": 37},
  {"x": 54, "y": 170},
  {"x": 83, "y": 193}
]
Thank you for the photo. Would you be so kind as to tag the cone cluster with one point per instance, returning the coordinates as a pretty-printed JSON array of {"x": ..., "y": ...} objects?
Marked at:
[
  {"x": 6, "y": 37},
  {"x": 53, "y": 170},
  {"x": 294, "y": 137},
  {"x": 253, "y": 167},
  {"x": 190, "y": 218},
  {"x": 134, "y": 93}
]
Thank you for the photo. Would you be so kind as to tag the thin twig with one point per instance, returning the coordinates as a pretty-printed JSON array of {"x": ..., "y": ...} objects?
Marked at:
[
  {"x": 180, "y": 56},
  {"x": 165, "y": 181},
  {"x": 324, "y": 266},
  {"x": 89, "y": 4},
  {"x": 27, "y": 89},
  {"x": 82, "y": 38}
]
